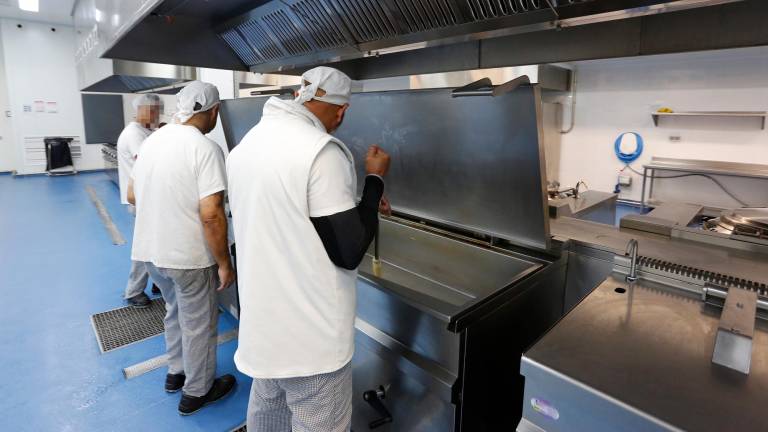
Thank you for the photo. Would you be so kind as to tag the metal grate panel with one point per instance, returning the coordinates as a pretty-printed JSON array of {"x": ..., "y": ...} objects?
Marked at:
[
  {"x": 127, "y": 325},
  {"x": 487, "y": 9},
  {"x": 138, "y": 83},
  {"x": 260, "y": 40},
  {"x": 241, "y": 47},
  {"x": 319, "y": 23},
  {"x": 366, "y": 19},
  {"x": 286, "y": 32},
  {"x": 421, "y": 15}
]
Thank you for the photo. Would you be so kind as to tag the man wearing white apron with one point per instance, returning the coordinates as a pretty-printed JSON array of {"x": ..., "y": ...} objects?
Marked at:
[
  {"x": 180, "y": 235},
  {"x": 147, "y": 108},
  {"x": 300, "y": 237}
]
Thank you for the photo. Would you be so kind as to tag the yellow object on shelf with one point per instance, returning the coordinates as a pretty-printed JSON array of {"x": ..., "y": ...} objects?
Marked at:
[{"x": 665, "y": 110}]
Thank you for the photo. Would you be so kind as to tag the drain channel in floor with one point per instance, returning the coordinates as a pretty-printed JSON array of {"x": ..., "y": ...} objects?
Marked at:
[{"x": 127, "y": 325}]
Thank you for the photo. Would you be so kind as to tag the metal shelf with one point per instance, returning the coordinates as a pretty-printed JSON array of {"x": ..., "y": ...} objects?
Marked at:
[{"x": 750, "y": 114}]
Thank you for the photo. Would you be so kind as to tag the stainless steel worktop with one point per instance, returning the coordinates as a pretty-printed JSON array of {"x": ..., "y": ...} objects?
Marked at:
[
  {"x": 744, "y": 264},
  {"x": 640, "y": 360},
  {"x": 709, "y": 167},
  {"x": 586, "y": 200}
]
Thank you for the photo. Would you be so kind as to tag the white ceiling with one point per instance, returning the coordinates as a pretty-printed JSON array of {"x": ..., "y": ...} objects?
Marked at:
[{"x": 51, "y": 11}]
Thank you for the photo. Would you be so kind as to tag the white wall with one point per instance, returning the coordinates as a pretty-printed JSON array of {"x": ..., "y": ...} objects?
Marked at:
[
  {"x": 7, "y": 148},
  {"x": 40, "y": 65},
  {"x": 615, "y": 96}
]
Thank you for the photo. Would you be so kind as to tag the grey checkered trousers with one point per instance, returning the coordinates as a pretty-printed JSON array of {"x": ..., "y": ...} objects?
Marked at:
[{"x": 317, "y": 403}]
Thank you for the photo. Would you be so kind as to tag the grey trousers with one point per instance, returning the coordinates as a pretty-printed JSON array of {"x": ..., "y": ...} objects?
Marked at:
[
  {"x": 317, "y": 403},
  {"x": 190, "y": 323},
  {"x": 138, "y": 276},
  {"x": 137, "y": 279}
]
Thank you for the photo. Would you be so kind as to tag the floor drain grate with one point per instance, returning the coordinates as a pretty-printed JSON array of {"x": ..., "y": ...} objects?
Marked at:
[{"x": 124, "y": 326}]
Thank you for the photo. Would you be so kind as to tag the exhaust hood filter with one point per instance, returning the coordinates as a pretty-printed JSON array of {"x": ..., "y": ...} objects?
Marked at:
[
  {"x": 319, "y": 22},
  {"x": 488, "y": 9},
  {"x": 366, "y": 19},
  {"x": 287, "y": 33},
  {"x": 426, "y": 15},
  {"x": 280, "y": 30},
  {"x": 243, "y": 50},
  {"x": 259, "y": 40},
  {"x": 138, "y": 83}
]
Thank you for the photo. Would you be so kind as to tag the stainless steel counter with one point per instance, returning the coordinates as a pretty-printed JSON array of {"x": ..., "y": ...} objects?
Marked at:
[
  {"x": 640, "y": 360},
  {"x": 744, "y": 264},
  {"x": 591, "y": 205}
]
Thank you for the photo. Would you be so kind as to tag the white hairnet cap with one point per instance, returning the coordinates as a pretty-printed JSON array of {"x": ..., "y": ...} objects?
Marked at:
[
  {"x": 196, "y": 97},
  {"x": 336, "y": 85},
  {"x": 147, "y": 100}
]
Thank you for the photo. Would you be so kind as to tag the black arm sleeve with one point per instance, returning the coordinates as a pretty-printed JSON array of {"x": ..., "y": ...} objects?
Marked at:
[{"x": 347, "y": 235}]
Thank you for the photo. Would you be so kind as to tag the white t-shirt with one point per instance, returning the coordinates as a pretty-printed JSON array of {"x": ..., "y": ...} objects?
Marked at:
[
  {"x": 177, "y": 168},
  {"x": 297, "y": 309},
  {"x": 331, "y": 182},
  {"x": 128, "y": 145}
]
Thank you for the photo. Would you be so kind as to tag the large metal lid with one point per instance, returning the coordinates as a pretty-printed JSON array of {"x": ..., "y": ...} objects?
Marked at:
[{"x": 475, "y": 163}]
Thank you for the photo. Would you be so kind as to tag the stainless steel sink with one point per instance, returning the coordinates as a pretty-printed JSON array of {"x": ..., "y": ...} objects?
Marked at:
[{"x": 452, "y": 271}]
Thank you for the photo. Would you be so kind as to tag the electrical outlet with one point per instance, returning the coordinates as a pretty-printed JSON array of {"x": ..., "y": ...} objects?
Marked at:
[
  {"x": 625, "y": 180},
  {"x": 675, "y": 138}
]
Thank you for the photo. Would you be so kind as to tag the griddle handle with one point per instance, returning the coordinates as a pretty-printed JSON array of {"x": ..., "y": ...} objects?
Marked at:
[{"x": 374, "y": 397}]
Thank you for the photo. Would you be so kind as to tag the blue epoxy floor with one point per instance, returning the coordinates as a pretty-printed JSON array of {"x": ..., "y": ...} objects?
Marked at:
[
  {"x": 625, "y": 209},
  {"x": 58, "y": 266}
]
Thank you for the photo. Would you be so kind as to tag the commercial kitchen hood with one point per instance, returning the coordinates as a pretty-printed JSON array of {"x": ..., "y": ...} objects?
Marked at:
[
  {"x": 378, "y": 38},
  {"x": 97, "y": 74}
]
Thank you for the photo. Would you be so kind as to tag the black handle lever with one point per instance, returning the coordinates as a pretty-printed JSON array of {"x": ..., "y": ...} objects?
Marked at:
[{"x": 374, "y": 397}]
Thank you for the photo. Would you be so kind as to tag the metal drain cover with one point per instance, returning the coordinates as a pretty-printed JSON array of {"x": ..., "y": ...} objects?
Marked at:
[{"x": 120, "y": 327}]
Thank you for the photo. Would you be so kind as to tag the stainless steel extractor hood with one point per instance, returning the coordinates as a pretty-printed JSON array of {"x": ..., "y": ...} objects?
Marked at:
[
  {"x": 377, "y": 38},
  {"x": 96, "y": 74}
]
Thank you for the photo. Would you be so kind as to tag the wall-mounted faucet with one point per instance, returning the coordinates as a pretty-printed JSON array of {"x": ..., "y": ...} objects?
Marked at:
[{"x": 632, "y": 254}]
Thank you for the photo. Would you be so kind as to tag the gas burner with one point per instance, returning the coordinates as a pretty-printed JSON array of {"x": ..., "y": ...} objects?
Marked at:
[{"x": 751, "y": 222}]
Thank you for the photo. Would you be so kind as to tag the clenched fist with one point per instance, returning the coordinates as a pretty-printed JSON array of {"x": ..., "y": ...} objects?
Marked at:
[{"x": 376, "y": 161}]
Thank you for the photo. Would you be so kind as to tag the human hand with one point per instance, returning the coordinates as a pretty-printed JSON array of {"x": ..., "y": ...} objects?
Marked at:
[
  {"x": 226, "y": 276},
  {"x": 384, "y": 207},
  {"x": 376, "y": 161}
]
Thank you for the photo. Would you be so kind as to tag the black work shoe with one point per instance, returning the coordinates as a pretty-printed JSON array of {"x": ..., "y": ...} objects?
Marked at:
[
  {"x": 139, "y": 301},
  {"x": 155, "y": 290},
  {"x": 174, "y": 382},
  {"x": 221, "y": 387}
]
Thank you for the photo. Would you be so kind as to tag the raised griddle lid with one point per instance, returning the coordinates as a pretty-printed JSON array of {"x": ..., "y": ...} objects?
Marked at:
[{"x": 474, "y": 163}]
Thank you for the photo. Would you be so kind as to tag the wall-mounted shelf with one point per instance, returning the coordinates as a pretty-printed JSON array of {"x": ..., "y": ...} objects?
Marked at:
[{"x": 749, "y": 114}]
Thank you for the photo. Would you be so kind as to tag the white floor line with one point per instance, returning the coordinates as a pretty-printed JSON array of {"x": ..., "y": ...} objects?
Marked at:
[
  {"x": 162, "y": 360},
  {"x": 106, "y": 219}
]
